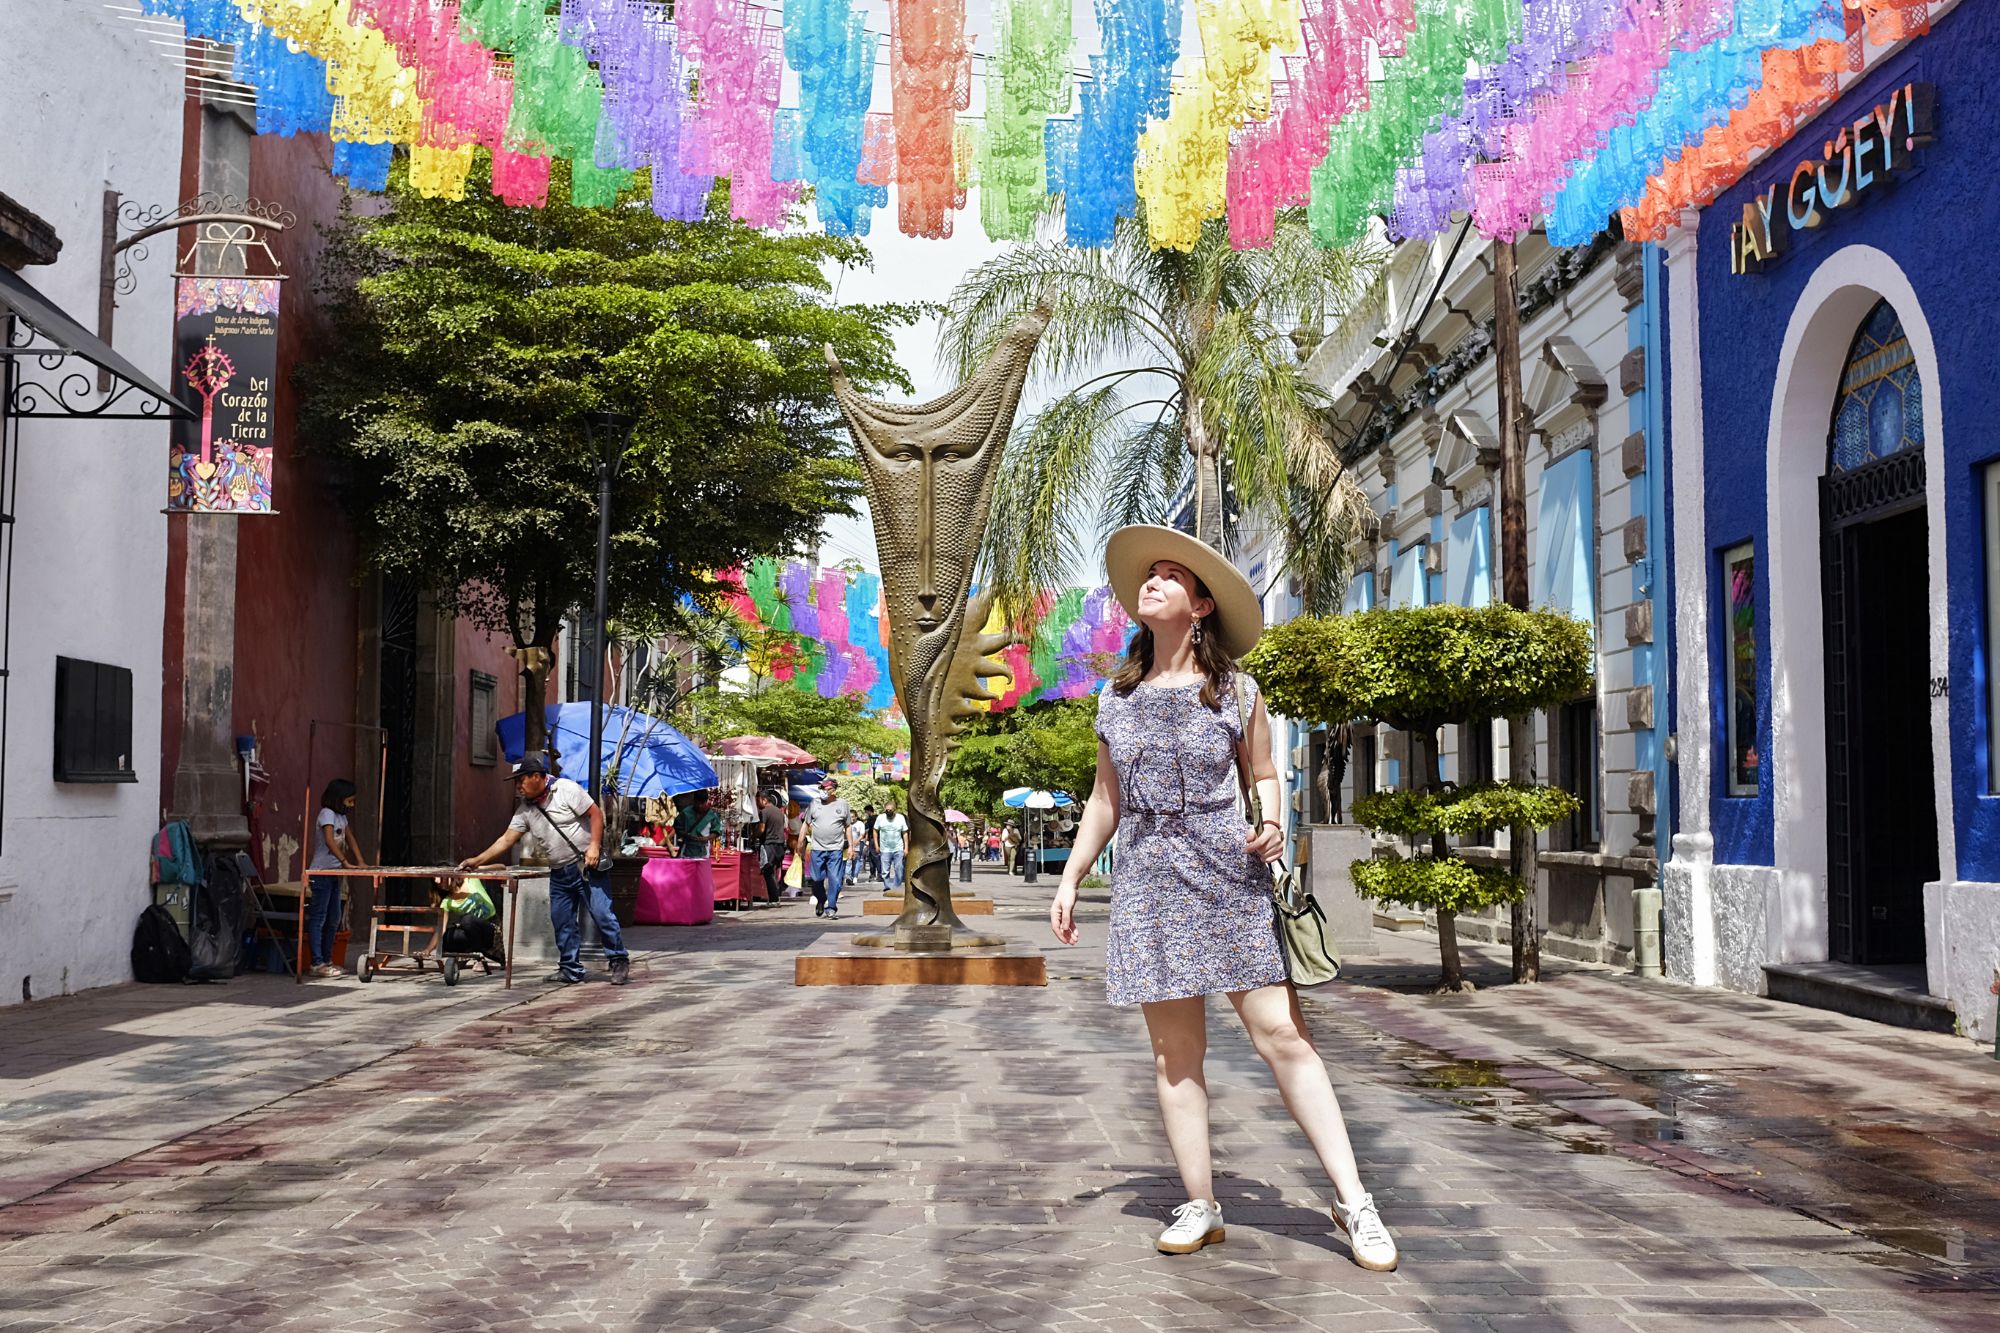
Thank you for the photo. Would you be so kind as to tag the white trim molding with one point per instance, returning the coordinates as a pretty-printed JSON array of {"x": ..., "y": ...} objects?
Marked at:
[{"x": 1838, "y": 296}]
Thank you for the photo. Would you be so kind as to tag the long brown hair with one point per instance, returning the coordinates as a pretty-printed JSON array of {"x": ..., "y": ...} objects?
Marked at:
[{"x": 1216, "y": 667}]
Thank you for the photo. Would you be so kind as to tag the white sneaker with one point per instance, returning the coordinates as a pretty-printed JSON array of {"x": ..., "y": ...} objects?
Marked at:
[
  {"x": 1196, "y": 1223},
  {"x": 1373, "y": 1247}
]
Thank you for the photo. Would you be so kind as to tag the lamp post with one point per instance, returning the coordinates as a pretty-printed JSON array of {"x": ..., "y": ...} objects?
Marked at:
[{"x": 609, "y": 433}]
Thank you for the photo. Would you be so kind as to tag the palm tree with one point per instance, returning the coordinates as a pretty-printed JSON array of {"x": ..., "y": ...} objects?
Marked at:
[{"x": 1184, "y": 369}]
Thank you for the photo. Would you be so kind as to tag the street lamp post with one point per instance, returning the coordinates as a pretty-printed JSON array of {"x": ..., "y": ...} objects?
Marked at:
[{"x": 609, "y": 432}]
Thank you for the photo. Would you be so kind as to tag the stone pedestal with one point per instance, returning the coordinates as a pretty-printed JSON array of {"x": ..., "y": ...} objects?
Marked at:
[
  {"x": 534, "y": 938},
  {"x": 836, "y": 960},
  {"x": 1349, "y": 916}
]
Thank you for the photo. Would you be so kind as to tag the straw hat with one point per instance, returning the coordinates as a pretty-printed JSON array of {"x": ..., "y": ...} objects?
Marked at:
[{"x": 1238, "y": 617}]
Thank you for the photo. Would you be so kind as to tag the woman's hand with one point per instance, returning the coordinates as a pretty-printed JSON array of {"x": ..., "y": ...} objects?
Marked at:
[
  {"x": 1062, "y": 913},
  {"x": 1266, "y": 842}
]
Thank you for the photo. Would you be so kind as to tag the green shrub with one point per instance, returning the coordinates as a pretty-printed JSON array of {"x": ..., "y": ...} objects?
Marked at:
[
  {"x": 1444, "y": 884},
  {"x": 1421, "y": 667},
  {"x": 1463, "y": 811}
]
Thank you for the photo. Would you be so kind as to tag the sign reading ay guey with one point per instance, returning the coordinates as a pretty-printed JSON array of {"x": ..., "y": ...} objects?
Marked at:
[
  {"x": 1854, "y": 164},
  {"x": 226, "y": 357}
]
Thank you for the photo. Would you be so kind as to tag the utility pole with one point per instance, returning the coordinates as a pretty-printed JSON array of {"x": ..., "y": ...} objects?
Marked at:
[{"x": 1514, "y": 583}]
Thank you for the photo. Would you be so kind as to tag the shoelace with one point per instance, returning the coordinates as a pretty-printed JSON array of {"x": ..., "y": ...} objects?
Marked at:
[
  {"x": 1189, "y": 1212},
  {"x": 1364, "y": 1224}
]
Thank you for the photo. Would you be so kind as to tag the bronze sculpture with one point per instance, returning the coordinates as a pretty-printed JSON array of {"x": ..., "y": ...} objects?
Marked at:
[{"x": 930, "y": 470}]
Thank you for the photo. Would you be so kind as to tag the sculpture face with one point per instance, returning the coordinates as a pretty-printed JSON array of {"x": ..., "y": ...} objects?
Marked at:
[{"x": 929, "y": 491}]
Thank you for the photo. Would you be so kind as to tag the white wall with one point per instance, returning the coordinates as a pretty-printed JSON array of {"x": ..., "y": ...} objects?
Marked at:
[{"x": 86, "y": 104}]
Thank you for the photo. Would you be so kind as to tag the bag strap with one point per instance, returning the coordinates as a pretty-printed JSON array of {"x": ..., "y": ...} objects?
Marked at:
[{"x": 1253, "y": 808}]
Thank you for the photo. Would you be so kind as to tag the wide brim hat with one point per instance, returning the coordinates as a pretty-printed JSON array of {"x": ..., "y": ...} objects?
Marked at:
[{"x": 1132, "y": 552}]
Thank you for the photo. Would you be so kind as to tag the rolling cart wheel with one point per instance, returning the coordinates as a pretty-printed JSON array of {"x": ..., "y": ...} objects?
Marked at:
[
  {"x": 450, "y": 968},
  {"x": 364, "y": 968}
]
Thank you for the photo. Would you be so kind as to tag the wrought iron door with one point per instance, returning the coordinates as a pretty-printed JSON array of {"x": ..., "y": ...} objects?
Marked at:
[{"x": 1852, "y": 506}]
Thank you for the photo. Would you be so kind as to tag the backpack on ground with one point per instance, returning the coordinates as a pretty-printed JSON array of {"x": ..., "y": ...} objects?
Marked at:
[{"x": 159, "y": 955}]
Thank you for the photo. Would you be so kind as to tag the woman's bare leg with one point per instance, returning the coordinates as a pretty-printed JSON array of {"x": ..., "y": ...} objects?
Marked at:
[
  {"x": 1277, "y": 1028},
  {"x": 1180, "y": 1039}
]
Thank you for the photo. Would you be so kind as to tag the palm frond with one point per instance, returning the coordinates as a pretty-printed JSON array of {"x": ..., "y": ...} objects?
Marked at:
[
  {"x": 1143, "y": 469},
  {"x": 1044, "y": 492},
  {"x": 1097, "y": 316}
]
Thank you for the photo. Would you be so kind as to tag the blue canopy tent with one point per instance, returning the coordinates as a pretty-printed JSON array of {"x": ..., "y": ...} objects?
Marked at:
[{"x": 651, "y": 758}]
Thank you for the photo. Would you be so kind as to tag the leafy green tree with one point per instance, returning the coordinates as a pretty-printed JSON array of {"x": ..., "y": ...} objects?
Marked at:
[
  {"x": 1418, "y": 669},
  {"x": 831, "y": 730},
  {"x": 1051, "y": 745},
  {"x": 472, "y": 343},
  {"x": 1182, "y": 364}
]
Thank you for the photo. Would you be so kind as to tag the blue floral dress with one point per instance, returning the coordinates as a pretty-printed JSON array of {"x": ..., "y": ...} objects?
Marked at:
[{"x": 1190, "y": 906}]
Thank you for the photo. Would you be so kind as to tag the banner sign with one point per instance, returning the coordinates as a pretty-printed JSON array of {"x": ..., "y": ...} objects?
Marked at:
[
  {"x": 1856, "y": 164},
  {"x": 226, "y": 358}
]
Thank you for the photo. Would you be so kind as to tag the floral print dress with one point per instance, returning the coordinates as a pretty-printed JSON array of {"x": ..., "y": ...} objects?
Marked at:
[{"x": 1190, "y": 906}]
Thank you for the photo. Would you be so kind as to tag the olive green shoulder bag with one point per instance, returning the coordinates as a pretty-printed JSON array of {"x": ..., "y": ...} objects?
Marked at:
[{"x": 1311, "y": 957}]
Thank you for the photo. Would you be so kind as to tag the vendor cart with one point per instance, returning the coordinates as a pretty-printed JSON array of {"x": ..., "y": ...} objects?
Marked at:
[{"x": 414, "y": 933}]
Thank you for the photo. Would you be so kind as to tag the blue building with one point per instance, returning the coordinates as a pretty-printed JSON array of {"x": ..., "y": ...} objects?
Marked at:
[{"x": 1835, "y": 527}]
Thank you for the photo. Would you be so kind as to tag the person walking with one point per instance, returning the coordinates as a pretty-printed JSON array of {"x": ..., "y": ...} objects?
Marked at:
[
  {"x": 871, "y": 860},
  {"x": 771, "y": 842},
  {"x": 333, "y": 847},
  {"x": 993, "y": 845},
  {"x": 823, "y": 839},
  {"x": 891, "y": 844},
  {"x": 1010, "y": 843},
  {"x": 1191, "y": 910},
  {"x": 568, "y": 828}
]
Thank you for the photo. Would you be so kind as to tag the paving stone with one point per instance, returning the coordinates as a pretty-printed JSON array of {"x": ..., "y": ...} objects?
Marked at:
[{"x": 713, "y": 1148}]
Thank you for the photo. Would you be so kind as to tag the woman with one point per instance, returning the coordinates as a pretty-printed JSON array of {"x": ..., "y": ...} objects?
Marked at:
[
  {"x": 993, "y": 845},
  {"x": 1190, "y": 901},
  {"x": 333, "y": 846}
]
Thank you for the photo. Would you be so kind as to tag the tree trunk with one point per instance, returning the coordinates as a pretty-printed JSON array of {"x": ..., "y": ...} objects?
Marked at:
[
  {"x": 1454, "y": 973},
  {"x": 535, "y": 665},
  {"x": 1514, "y": 581},
  {"x": 1207, "y": 477}
]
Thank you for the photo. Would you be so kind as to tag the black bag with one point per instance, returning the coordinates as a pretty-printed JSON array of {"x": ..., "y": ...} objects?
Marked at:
[
  {"x": 159, "y": 955},
  {"x": 215, "y": 922}
]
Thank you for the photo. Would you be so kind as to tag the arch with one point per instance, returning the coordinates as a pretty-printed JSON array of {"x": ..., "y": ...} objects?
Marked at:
[{"x": 1836, "y": 300}]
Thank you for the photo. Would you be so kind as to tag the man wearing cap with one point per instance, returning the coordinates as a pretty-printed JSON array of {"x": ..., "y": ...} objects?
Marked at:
[
  {"x": 568, "y": 829},
  {"x": 824, "y": 840}
]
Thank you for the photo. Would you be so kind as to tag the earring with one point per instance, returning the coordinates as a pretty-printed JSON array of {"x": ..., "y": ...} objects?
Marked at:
[{"x": 1197, "y": 629}]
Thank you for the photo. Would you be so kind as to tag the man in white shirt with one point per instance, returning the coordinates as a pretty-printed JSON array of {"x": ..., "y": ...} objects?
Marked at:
[
  {"x": 568, "y": 830},
  {"x": 823, "y": 837},
  {"x": 891, "y": 845}
]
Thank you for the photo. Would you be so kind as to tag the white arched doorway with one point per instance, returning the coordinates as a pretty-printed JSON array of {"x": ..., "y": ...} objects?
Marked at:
[{"x": 1843, "y": 292}]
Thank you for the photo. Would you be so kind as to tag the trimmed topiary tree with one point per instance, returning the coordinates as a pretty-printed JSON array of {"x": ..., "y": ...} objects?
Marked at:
[{"x": 1418, "y": 669}]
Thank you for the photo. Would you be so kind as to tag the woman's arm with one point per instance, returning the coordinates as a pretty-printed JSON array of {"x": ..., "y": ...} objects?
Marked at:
[
  {"x": 1093, "y": 832},
  {"x": 1267, "y": 840}
]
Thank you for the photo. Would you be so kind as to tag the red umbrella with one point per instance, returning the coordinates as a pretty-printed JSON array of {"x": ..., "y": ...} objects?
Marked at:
[{"x": 767, "y": 747}]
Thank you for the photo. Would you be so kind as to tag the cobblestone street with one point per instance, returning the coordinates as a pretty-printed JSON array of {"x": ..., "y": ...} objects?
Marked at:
[{"x": 713, "y": 1148}]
